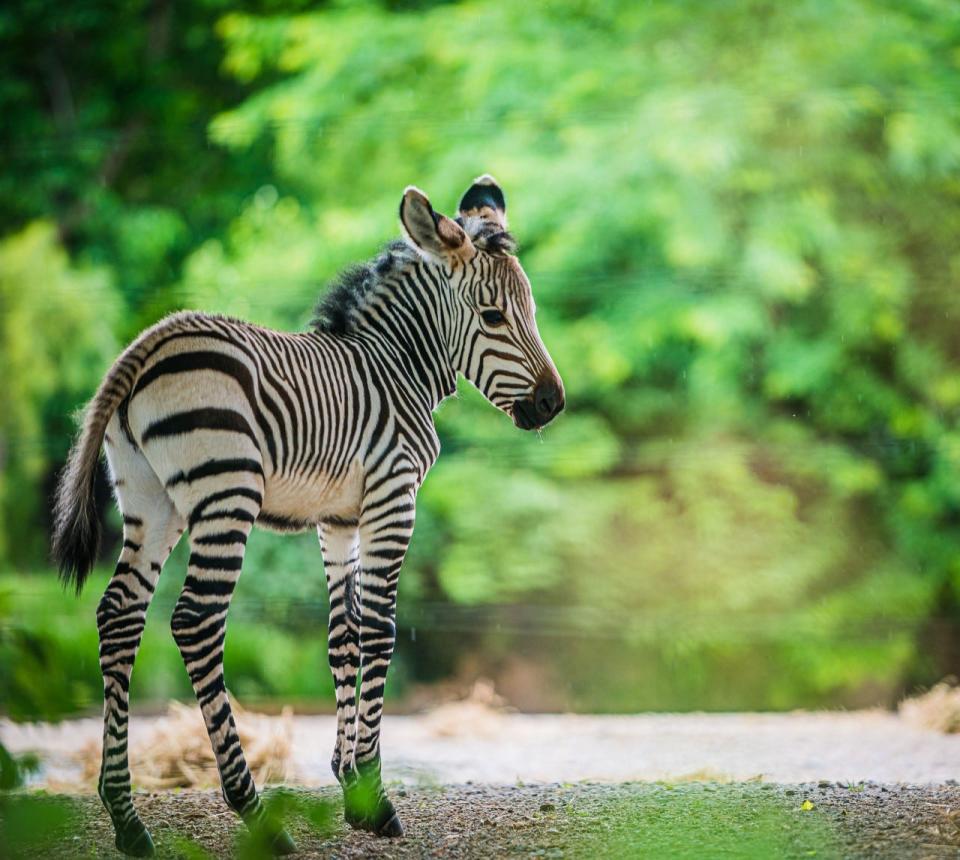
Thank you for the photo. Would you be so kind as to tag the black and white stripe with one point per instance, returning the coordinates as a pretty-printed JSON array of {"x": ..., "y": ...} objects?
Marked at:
[{"x": 212, "y": 425}]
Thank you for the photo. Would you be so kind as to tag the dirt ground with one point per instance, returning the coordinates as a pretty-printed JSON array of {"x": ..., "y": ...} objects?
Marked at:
[
  {"x": 470, "y": 781},
  {"x": 656, "y": 820}
]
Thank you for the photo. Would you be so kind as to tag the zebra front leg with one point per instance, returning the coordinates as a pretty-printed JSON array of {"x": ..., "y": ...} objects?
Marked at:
[
  {"x": 340, "y": 545},
  {"x": 385, "y": 529},
  {"x": 219, "y": 526}
]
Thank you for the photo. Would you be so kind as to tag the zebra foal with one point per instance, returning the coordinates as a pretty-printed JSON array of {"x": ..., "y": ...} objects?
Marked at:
[{"x": 212, "y": 425}]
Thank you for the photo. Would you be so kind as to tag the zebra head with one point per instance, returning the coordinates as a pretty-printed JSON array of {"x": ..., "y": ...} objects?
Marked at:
[{"x": 490, "y": 316}]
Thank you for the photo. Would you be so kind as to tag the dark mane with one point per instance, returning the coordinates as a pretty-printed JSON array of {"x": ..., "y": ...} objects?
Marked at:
[{"x": 350, "y": 289}]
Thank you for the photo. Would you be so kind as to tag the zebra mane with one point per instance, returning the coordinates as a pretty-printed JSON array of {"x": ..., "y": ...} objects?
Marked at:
[{"x": 351, "y": 289}]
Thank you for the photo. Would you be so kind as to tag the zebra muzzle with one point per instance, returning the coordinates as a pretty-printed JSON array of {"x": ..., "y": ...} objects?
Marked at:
[{"x": 538, "y": 410}]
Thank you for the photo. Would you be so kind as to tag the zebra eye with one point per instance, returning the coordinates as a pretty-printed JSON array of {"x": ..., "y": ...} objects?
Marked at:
[{"x": 493, "y": 317}]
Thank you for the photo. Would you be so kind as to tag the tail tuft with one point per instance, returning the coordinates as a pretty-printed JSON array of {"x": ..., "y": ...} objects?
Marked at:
[{"x": 76, "y": 532}]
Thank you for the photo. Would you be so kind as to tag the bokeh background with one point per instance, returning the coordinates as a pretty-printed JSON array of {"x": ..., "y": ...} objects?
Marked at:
[{"x": 741, "y": 223}]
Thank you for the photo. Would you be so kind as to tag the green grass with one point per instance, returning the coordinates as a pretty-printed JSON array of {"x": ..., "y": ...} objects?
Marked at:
[{"x": 695, "y": 820}]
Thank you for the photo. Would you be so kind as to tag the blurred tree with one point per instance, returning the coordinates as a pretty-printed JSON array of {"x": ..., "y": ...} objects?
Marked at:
[
  {"x": 57, "y": 334},
  {"x": 740, "y": 224},
  {"x": 106, "y": 107}
]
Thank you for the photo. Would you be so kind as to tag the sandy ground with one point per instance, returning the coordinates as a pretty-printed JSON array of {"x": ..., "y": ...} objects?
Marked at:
[{"x": 456, "y": 743}]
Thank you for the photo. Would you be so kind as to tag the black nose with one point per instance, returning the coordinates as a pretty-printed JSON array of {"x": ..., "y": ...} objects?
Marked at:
[{"x": 548, "y": 400}]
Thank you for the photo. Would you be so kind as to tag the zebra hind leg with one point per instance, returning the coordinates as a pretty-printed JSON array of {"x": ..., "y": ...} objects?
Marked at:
[
  {"x": 219, "y": 526},
  {"x": 151, "y": 527}
]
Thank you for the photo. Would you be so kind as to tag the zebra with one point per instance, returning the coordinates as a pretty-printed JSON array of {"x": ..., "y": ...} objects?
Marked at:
[{"x": 211, "y": 425}]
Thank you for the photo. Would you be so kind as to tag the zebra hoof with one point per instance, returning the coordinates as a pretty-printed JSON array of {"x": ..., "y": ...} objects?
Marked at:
[
  {"x": 382, "y": 821},
  {"x": 392, "y": 828},
  {"x": 385, "y": 821},
  {"x": 135, "y": 842},
  {"x": 282, "y": 844}
]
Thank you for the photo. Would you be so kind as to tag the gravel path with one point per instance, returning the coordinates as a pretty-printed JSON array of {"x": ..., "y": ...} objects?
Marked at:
[{"x": 659, "y": 820}]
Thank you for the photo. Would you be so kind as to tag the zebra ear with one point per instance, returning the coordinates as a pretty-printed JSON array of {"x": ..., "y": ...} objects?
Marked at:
[
  {"x": 484, "y": 199},
  {"x": 432, "y": 234}
]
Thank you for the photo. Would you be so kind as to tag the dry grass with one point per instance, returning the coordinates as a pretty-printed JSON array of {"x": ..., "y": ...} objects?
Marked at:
[
  {"x": 178, "y": 754},
  {"x": 704, "y": 775},
  {"x": 937, "y": 709},
  {"x": 480, "y": 713}
]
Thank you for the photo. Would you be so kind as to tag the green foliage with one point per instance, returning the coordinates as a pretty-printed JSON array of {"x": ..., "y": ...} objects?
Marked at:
[
  {"x": 15, "y": 769},
  {"x": 283, "y": 808},
  {"x": 33, "y": 825},
  {"x": 48, "y": 646},
  {"x": 55, "y": 336},
  {"x": 740, "y": 223}
]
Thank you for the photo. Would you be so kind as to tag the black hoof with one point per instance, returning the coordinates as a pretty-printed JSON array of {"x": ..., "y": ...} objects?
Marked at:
[
  {"x": 392, "y": 828},
  {"x": 282, "y": 844},
  {"x": 135, "y": 842},
  {"x": 382, "y": 821}
]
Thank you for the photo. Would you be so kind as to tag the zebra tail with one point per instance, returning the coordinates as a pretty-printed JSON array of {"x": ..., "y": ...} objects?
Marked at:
[{"x": 76, "y": 527}]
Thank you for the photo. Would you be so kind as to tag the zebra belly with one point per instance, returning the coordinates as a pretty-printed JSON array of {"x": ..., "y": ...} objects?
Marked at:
[
  {"x": 181, "y": 429},
  {"x": 293, "y": 504}
]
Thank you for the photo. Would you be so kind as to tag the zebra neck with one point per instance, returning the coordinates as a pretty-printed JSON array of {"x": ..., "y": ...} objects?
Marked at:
[{"x": 406, "y": 320}]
